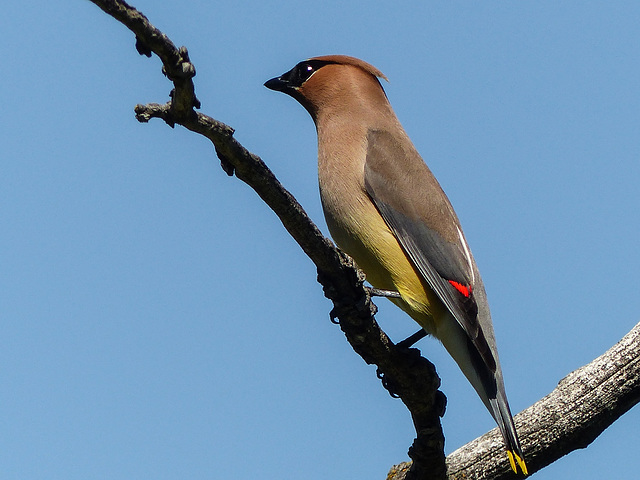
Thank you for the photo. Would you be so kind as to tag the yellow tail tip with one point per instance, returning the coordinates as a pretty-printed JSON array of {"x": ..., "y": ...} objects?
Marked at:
[{"x": 516, "y": 461}]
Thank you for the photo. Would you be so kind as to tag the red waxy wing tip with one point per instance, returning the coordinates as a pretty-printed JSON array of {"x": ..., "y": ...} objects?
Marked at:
[{"x": 463, "y": 289}]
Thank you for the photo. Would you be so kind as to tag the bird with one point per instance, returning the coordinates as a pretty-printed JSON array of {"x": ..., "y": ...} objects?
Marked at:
[{"x": 386, "y": 210}]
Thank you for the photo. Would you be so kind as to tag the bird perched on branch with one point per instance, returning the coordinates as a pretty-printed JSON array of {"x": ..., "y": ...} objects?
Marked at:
[{"x": 385, "y": 209}]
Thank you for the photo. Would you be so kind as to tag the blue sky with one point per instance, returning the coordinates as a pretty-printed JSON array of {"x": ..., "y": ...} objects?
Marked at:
[{"x": 157, "y": 320}]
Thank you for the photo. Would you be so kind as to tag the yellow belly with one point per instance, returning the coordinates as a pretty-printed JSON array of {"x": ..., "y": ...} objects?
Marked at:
[{"x": 370, "y": 242}]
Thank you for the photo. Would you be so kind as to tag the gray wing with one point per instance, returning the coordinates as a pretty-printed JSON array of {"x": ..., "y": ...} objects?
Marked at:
[{"x": 418, "y": 212}]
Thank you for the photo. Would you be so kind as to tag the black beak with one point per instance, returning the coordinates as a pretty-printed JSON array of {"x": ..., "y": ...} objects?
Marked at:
[
  {"x": 278, "y": 84},
  {"x": 287, "y": 83}
]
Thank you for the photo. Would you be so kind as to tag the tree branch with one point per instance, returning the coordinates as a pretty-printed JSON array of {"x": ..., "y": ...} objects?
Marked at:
[{"x": 582, "y": 406}]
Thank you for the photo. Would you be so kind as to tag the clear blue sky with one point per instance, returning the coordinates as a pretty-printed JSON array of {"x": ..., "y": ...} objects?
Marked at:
[{"x": 158, "y": 322}]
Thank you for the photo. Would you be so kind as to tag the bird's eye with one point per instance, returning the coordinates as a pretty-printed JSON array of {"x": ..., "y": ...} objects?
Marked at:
[
  {"x": 303, "y": 71},
  {"x": 306, "y": 70}
]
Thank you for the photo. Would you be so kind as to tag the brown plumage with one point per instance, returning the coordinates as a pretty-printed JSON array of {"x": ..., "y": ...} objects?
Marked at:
[{"x": 385, "y": 208}]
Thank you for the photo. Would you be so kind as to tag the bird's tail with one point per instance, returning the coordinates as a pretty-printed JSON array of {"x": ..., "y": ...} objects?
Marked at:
[
  {"x": 487, "y": 382},
  {"x": 502, "y": 413}
]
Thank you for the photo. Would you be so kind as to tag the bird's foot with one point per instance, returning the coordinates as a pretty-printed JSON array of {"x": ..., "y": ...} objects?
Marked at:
[
  {"x": 378, "y": 292},
  {"x": 412, "y": 339}
]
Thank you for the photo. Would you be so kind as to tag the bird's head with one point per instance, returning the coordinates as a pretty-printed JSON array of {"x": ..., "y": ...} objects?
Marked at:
[{"x": 329, "y": 80}]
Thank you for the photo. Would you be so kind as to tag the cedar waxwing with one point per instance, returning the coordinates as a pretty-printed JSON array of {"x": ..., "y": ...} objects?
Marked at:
[{"x": 385, "y": 208}]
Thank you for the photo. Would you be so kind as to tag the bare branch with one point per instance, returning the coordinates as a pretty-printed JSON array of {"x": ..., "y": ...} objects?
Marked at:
[{"x": 580, "y": 408}]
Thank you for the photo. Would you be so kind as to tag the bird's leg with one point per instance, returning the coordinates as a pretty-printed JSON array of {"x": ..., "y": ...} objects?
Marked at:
[
  {"x": 409, "y": 341},
  {"x": 377, "y": 292},
  {"x": 412, "y": 339}
]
